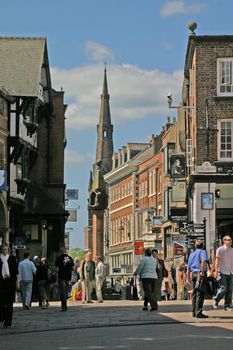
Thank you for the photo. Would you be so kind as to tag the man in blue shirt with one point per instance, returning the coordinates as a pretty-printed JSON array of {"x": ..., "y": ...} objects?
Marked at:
[{"x": 197, "y": 267}]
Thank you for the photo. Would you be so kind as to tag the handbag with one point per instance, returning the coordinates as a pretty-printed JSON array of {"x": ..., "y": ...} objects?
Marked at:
[
  {"x": 213, "y": 286},
  {"x": 201, "y": 284}
]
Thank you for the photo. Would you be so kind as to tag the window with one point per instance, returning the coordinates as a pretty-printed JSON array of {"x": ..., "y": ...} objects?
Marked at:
[
  {"x": 225, "y": 140},
  {"x": 224, "y": 79}
]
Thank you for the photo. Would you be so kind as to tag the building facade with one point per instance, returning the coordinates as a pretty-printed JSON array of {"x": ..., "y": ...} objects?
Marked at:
[
  {"x": 208, "y": 96},
  {"x": 35, "y": 145}
]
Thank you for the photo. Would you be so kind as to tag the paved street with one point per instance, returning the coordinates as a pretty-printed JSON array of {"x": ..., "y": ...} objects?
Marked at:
[{"x": 117, "y": 324}]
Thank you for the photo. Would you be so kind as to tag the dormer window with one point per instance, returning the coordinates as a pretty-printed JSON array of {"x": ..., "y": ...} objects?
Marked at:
[{"x": 105, "y": 133}]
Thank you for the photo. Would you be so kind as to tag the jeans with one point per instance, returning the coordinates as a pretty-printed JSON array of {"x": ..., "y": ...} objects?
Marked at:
[
  {"x": 26, "y": 288},
  {"x": 63, "y": 287},
  {"x": 197, "y": 297},
  {"x": 149, "y": 286},
  {"x": 226, "y": 281}
]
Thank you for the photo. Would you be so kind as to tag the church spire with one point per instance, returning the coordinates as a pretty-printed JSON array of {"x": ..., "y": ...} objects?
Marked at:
[{"x": 104, "y": 149}]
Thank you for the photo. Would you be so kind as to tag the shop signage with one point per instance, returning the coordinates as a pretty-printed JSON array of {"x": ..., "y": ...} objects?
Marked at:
[{"x": 178, "y": 214}]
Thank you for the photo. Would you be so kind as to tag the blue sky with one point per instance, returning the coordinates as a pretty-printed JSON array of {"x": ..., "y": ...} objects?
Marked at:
[{"x": 143, "y": 43}]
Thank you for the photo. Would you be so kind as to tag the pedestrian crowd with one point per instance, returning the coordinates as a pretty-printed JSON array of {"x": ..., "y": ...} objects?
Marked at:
[{"x": 153, "y": 281}]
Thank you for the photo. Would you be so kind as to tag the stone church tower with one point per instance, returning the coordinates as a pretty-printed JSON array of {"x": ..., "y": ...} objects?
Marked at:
[
  {"x": 98, "y": 199},
  {"x": 104, "y": 148}
]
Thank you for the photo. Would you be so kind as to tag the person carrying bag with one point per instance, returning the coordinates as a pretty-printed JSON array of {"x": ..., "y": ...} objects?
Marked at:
[{"x": 197, "y": 271}]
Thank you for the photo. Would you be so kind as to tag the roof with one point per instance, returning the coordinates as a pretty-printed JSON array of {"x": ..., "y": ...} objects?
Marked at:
[{"x": 21, "y": 62}]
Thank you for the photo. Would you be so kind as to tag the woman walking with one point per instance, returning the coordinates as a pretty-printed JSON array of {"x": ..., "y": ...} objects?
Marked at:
[
  {"x": 147, "y": 272},
  {"x": 8, "y": 279}
]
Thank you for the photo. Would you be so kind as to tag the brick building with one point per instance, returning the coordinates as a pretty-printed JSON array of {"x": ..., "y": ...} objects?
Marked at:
[
  {"x": 120, "y": 233},
  {"x": 208, "y": 99}
]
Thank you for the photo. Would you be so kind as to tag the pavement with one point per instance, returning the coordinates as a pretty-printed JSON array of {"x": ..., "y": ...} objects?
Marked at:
[{"x": 112, "y": 313}]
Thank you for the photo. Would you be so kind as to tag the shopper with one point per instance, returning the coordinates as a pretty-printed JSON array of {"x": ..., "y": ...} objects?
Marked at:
[
  {"x": 197, "y": 268},
  {"x": 147, "y": 272},
  {"x": 27, "y": 270},
  {"x": 224, "y": 265},
  {"x": 64, "y": 265},
  {"x": 87, "y": 276},
  {"x": 8, "y": 281},
  {"x": 99, "y": 278},
  {"x": 42, "y": 276}
]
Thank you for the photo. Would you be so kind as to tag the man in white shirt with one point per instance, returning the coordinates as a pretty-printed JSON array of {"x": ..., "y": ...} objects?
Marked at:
[
  {"x": 26, "y": 271},
  {"x": 224, "y": 265}
]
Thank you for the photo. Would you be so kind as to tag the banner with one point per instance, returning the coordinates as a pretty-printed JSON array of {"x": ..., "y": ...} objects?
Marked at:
[
  {"x": 3, "y": 179},
  {"x": 139, "y": 248},
  {"x": 72, "y": 215},
  {"x": 72, "y": 194}
]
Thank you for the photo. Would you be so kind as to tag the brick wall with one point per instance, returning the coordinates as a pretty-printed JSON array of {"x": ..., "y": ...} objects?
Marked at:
[{"x": 207, "y": 53}]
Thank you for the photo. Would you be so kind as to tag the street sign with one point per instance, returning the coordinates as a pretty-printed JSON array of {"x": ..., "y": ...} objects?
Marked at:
[{"x": 192, "y": 231}]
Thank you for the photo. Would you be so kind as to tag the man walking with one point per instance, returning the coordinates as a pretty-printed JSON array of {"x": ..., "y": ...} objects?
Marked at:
[
  {"x": 197, "y": 266},
  {"x": 64, "y": 264},
  {"x": 224, "y": 265},
  {"x": 26, "y": 271},
  {"x": 99, "y": 278}
]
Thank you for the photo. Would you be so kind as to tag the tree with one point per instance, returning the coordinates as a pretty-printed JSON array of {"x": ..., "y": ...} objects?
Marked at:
[{"x": 77, "y": 253}]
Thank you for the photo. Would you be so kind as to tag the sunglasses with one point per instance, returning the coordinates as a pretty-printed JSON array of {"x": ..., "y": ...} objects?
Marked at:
[{"x": 227, "y": 239}]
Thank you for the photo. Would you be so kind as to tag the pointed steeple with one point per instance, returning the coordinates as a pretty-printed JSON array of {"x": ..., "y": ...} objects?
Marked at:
[{"x": 104, "y": 149}]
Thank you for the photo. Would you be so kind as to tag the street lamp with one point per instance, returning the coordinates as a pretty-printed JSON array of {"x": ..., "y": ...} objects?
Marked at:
[{"x": 170, "y": 100}]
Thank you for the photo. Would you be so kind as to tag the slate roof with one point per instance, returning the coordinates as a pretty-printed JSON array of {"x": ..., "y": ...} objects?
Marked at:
[{"x": 21, "y": 61}]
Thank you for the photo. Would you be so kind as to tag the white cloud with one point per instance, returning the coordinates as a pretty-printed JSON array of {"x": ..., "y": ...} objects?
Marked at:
[
  {"x": 72, "y": 158},
  {"x": 98, "y": 53},
  {"x": 180, "y": 7},
  {"x": 135, "y": 93}
]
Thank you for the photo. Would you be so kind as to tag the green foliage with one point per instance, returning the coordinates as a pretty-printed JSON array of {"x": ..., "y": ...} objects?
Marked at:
[{"x": 76, "y": 253}]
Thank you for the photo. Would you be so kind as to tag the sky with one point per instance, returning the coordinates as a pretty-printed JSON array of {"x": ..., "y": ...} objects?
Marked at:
[{"x": 143, "y": 43}]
